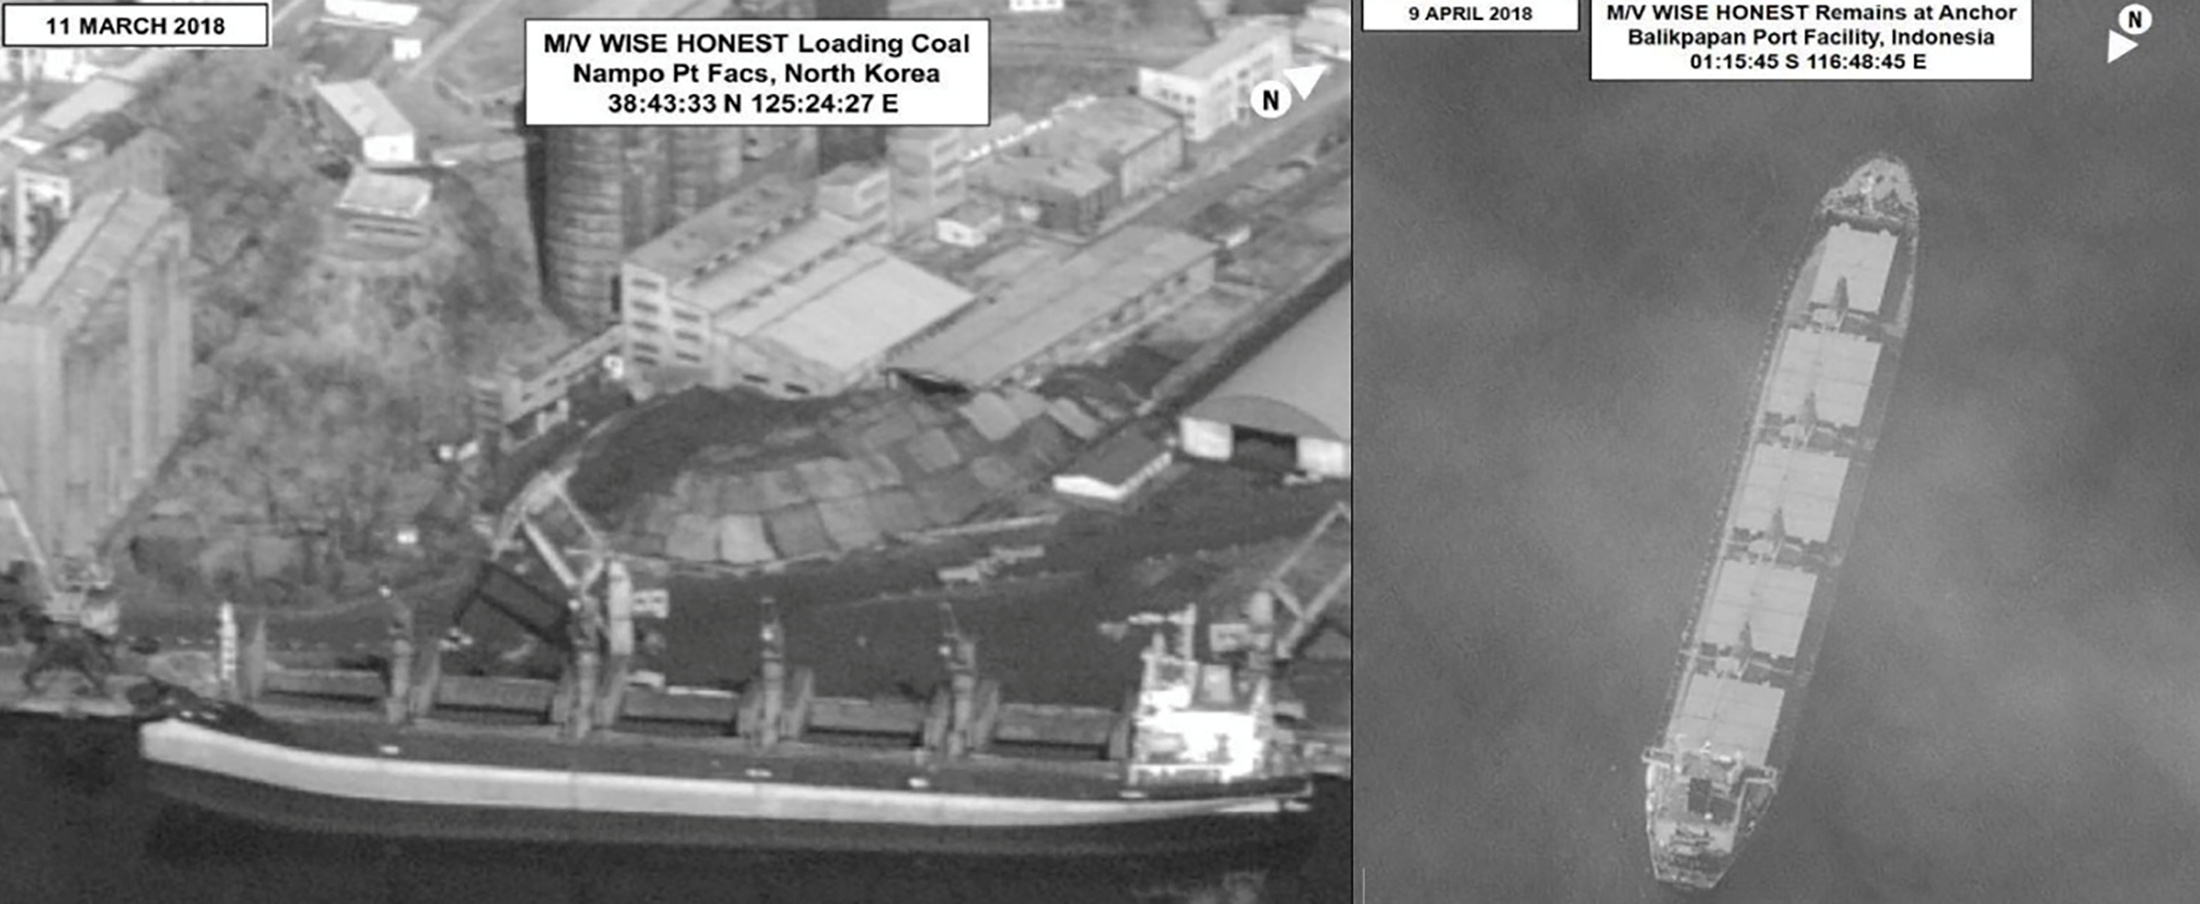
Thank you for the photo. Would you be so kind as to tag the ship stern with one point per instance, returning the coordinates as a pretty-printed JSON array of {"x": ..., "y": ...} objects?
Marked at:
[{"x": 1684, "y": 855}]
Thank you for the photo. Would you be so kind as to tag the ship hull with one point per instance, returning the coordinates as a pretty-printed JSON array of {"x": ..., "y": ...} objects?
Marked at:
[
  {"x": 1701, "y": 873},
  {"x": 355, "y": 778}
]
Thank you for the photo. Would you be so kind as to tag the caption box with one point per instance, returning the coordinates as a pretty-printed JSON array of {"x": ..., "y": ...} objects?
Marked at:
[
  {"x": 1437, "y": 15},
  {"x": 163, "y": 25},
  {"x": 758, "y": 72},
  {"x": 1846, "y": 40}
]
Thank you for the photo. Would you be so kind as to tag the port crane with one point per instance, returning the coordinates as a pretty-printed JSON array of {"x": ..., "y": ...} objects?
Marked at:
[
  {"x": 73, "y": 602},
  {"x": 1295, "y": 587}
]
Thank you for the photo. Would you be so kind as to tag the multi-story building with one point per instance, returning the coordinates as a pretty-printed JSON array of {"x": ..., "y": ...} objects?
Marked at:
[
  {"x": 1213, "y": 89},
  {"x": 1136, "y": 142},
  {"x": 666, "y": 324},
  {"x": 767, "y": 292},
  {"x": 96, "y": 341},
  {"x": 368, "y": 124},
  {"x": 1066, "y": 311},
  {"x": 927, "y": 168},
  {"x": 111, "y": 151}
]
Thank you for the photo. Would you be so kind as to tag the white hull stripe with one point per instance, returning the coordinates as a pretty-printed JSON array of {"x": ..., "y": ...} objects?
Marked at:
[{"x": 186, "y": 746}]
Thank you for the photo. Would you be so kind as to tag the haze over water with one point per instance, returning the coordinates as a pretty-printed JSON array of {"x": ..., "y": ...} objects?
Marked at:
[{"x": 1566, "y": 288}]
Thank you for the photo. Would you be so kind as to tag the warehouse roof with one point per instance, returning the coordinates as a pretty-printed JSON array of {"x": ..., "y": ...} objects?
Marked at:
[
  {"x": 364, "y": 108},
  {"x": 1115, "y": 124},
  {"x": 722, "y": 230},
  {"x": 1049, "y": 304},
  {"x": 737, "y": 295},
  {"x": 1300, "y": 385},
  {"x": 386, "y": 195},
  {"x": 96, "y": 97},
  {"x": 1118, "y": 460},
  {"x": 849, "y": 311}
]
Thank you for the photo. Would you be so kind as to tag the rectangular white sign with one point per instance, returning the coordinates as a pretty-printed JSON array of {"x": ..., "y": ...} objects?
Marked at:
[
  {"x": 1845, "y": 40},
  {"x": 758, "y": 72},
  {"x": 1483, "y": 15},
  {"x": 134, "y": 24}
]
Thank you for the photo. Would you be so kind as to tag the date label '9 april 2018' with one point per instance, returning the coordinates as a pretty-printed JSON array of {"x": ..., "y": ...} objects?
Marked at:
[{"x": 1435, "y": 15}]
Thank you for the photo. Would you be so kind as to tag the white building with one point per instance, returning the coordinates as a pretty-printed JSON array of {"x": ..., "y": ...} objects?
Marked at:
[
  {"x": 370, "y": 13},
  {"x": 369, "y": 124},
  {"x": 1213, "y": 89},
  {"x": 1034, "y": 6},
  {"x": 1294, "y": 398},
  {"x": 411, "y": 42},
  {"x": 72, "y": 65},
  {"x": 1116, "y": 470}
]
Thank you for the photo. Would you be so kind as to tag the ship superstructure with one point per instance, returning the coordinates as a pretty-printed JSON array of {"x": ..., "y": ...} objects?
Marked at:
[{"x": 1771, "y": 581}]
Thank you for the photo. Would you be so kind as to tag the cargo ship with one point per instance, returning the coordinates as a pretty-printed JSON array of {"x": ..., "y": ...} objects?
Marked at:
[
  {"x": 1196, "y": 762},
  {"x": 1772, "y": 578},
  {"x": 1199, "y": 757}
]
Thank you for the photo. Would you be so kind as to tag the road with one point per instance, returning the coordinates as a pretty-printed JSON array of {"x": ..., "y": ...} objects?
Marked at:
[
  {"x": 481, "y": 9},
  {"x": 1308, "y": 120}
]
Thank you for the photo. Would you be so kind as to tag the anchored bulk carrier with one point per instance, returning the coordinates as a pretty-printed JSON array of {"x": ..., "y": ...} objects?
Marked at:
[{"x": 1770, "y": 586}]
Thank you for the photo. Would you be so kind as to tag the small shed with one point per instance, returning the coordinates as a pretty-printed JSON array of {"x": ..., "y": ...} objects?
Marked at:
[{"x": 1115, "y": 470}]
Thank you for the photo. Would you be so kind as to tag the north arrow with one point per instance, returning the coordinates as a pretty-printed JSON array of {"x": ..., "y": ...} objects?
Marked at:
[{"x": 1304, "y": 77}]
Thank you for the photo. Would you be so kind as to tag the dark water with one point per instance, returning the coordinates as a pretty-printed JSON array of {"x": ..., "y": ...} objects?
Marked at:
[
  {"x": 1563, "y": 284},
  {"x": 79, "y": 826}
]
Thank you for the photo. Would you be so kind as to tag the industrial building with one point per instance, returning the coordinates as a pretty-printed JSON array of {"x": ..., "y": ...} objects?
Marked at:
[
  {"x": 367, "y": 124},
  {"x": 611, "y": 190},
  {"x": 106, "y": 152},
  {"x": 97, "y": 343},
  {"x": 1212, "y": 89},
  {"x": 1139, "y": 145},
  {"x": 1063, "y": 311},
  {"x": 769, "y": 292},
  {"x": 833, "y": 327},
  {"x": 1293, "y": 401},
  {"x": 1064, "y": 194}
]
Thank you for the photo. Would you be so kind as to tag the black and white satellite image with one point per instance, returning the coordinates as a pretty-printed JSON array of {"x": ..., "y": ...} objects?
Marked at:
[{"x": 1642, "y": 630}]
